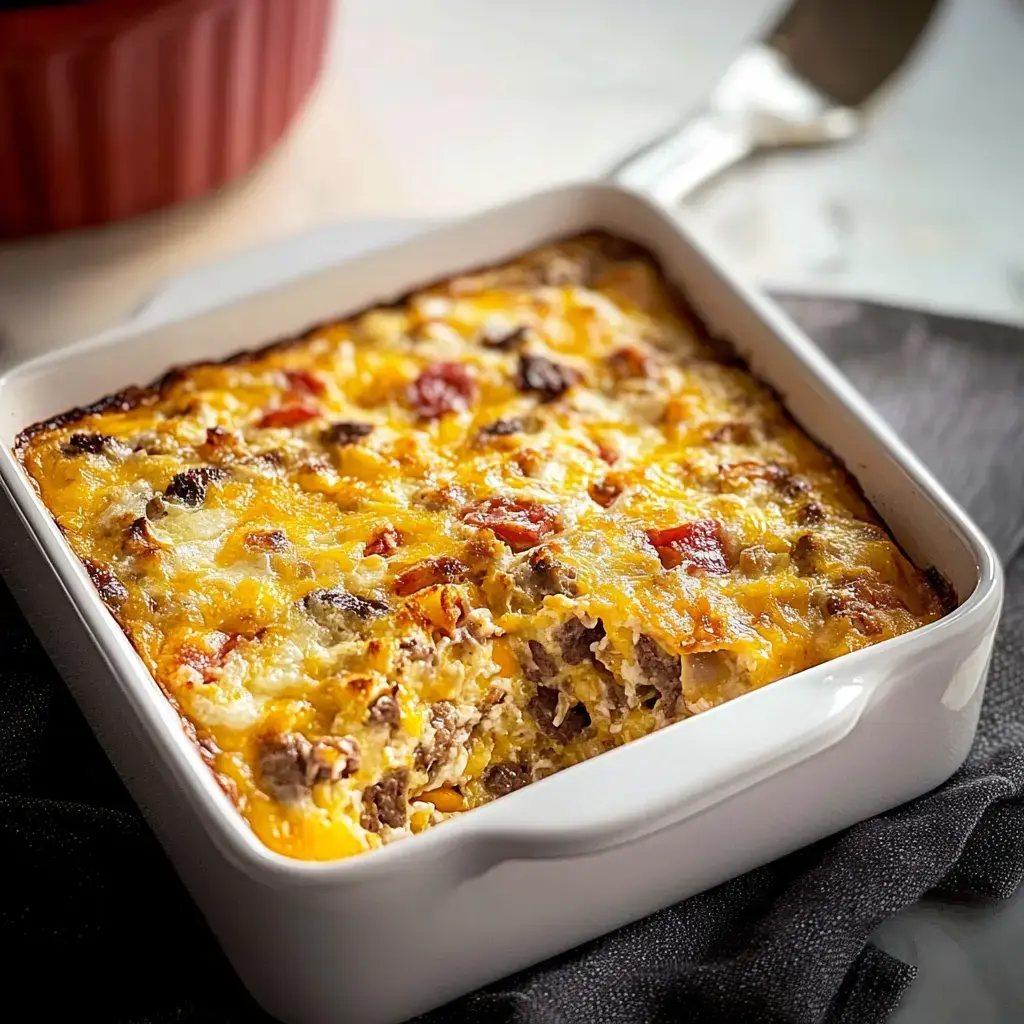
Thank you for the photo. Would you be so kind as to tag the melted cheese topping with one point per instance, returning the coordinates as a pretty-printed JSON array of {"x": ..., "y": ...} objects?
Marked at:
[{"x": 419, "y": 558}]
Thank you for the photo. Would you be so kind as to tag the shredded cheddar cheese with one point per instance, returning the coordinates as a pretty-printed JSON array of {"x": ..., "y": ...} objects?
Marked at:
[{"x": 419, "y": 558}]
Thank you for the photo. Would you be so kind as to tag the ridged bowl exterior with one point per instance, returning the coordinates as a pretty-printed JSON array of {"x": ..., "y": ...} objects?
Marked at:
[{"x": 114, "y": 108}]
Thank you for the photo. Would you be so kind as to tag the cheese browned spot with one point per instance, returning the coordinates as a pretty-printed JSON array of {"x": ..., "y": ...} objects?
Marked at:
[{"x": 416, "y": 559}]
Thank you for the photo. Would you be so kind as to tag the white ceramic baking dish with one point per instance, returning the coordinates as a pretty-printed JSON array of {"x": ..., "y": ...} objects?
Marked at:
[{"x": 383, "y": 936}]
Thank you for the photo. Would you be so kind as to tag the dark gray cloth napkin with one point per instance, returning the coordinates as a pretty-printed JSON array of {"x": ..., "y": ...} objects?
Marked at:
[{"x": 89, "y": 894}]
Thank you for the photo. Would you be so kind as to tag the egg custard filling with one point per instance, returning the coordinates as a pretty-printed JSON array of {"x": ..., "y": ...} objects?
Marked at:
[{"x": 417, "y": 559}]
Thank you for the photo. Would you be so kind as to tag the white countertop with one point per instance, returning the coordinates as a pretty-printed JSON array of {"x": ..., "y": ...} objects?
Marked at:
[{"x": 430, "y": 108}]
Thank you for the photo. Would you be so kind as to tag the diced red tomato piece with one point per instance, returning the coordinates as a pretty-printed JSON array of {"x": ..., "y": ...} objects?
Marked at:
[
  {"x": 429, "y": 573},
  {"x": 520, "y": 524},
  {"x": 440, "y": 389},
  {"x": 696, "y": 546},
  {"x": 304, "y": 382},
  {"x": 385, "y": 542},
  {"x": 288, "y": 416}
]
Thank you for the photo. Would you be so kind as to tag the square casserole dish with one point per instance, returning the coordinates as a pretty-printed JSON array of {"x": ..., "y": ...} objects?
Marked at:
[{"x": 590, "y": 848}]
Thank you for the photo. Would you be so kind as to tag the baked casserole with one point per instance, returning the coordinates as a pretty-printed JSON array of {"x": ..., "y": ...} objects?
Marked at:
[{"x": 415, "y": 560}]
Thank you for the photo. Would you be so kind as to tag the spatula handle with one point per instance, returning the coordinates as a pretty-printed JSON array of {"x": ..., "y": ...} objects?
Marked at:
[
  {"x": 760, "y": 103},
  {"x": 681, "y": 162}
]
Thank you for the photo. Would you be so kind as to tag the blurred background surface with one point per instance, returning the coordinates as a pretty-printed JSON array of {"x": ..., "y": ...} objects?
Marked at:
[{"x": 432, "y": 108}]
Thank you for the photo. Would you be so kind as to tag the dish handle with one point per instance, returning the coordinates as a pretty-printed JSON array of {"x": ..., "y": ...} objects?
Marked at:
[{"x": 687, "y": 767}]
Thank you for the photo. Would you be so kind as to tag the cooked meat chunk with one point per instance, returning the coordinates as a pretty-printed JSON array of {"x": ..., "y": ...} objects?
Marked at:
[
  {"x": 333, "y": 758},
  {"x": 541, "y": 575},
  {"x": 503, "y": 428},
  {"x": 604, "y": 492},
  {"x": 661, "y": 669},
  {"x": 290, "y": 763},
  {"x": 385, "y": 710},
  {"x": 860, "y": 614},
  {"x": 189, "y": 487},
  {"x": 811, "y": 514},
  {"x": 791, "y": 486},
  {"x": 575, "y": 640},
  {"x": 386, "y": 540},
  {"x": 341, "y": 613},
  {"x": 631, "y": 361},
  {"x": 283, "y": 760},
  {"x": 219, "y": 440},
  {"x": 139, "y": 538},
  {"x": 266, "y": 540},
  {"x": 614, "y": 691},
  {"x": 96, "y": 444},
  {"x": 443, "y": 722},
  {"x": 82, "y": 444},
  {"x": 861, "y": 600},
  {"x": 414, "y": 649},
  {"x": 346, "y": 432},
  {"x": 506, "y": 777},
  {"x": 537, "y": 664},
  {"x": 449, "y": 728},
  {"x": 386, "y": 803},
  {"x": 808, "y": 555},
  {"x": 342, "y": 601},
  {"x": 156, "y": 508},
  {"x": 544, "y": 708},
  {"x": 740, "y": 475},
  {"x": 429, "y": 573},
  {"x": 544, "y": 377},
  {"x": 440, "y": 499}
]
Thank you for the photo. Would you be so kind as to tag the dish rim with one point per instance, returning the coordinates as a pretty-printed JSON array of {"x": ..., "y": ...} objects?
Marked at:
[{"x": 223, "y": 822}]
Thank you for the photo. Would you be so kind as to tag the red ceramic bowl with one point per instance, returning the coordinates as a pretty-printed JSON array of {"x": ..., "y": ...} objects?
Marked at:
[{"x": 110, "y": 108}]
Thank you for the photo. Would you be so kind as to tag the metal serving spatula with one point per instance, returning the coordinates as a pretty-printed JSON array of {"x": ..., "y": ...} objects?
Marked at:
[{"x": 804, "y": 84}]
